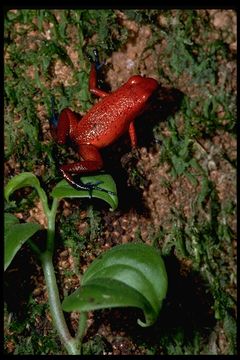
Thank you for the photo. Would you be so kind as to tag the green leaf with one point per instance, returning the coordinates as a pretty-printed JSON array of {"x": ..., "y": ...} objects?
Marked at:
[
  {"x": 127, "y": 275},
  {"x": 19, "y": 181},
  {"x": 15, "y": 235},
  {"x": 64, "y": 189},
  {"x": 9, "y": 220}
]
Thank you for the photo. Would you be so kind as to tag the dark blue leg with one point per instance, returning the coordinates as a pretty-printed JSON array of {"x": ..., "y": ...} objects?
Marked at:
[
  {"x": 95, "y": 60},
  {"x": 53, "y": 120},
  {"x": 54, "y": 115}
]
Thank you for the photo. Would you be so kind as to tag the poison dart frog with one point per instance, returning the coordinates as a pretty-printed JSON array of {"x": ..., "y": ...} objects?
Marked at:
[{"x": 104, "y": 123}]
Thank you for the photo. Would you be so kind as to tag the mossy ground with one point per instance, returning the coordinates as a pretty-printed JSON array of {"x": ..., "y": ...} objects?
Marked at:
[{"x": 178, "y": 193}]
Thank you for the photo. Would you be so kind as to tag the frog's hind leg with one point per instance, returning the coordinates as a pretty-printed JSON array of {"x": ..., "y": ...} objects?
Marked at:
[
  {"x": 92, "y": 161},
  {"x": 93, "y": 87}
]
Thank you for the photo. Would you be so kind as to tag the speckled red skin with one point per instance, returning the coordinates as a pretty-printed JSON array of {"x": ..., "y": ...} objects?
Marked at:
[{"x": 105, "y": 122}]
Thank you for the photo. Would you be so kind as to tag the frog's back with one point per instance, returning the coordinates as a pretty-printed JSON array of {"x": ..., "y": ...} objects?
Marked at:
[{"x": 110, "y": 117}]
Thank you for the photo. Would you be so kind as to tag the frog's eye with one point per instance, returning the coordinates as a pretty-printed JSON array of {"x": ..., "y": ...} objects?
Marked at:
[{"x": 135, "y": 79}]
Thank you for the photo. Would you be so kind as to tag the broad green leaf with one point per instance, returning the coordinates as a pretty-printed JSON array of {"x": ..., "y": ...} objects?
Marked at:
[
  {"x": 101, "y": 293},
  {"x": 64, "y": 189},
  {"x": 19, "y": 181},
  {"x": 127, "y": 275},
  {"x": 15, "y": 235}
]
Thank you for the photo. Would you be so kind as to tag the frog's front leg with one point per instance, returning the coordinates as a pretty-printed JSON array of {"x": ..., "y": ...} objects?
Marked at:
[
  {"x": 93, "y": 88},
  {"x": 133, "y": 135},
  {"x": 92, "y": 161}
]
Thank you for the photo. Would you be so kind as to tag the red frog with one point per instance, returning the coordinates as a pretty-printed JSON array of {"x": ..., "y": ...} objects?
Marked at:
[{"x": 104, "y": 123}]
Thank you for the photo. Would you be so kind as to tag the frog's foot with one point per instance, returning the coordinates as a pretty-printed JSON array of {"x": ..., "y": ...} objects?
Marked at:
[
  {"x": 95, "y": 60},
  {"x": 136, "y": 153},
  {"x": 90, "y": 186},
  {"x": 94, "y": 186}
]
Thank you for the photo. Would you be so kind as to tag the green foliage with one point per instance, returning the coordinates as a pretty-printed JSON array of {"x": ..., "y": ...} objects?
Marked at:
[
  {"x": 127, "y": 275},
  {"x": 230, "y": 327},
  {"x": 71, "y": 239},
  {"x": 180, "y": 344},
  {"x": 95, "y": 346},
  {"x": 15, "y": 235},
  {"x": 178, "y": 150},
  {"x": 94, "y": 220},
  {"x": 70, "y": 235},
  {"x": 103, "y": 23},
  {"x": 145, "y": 16},
  {"x": 26, "y": 334}
]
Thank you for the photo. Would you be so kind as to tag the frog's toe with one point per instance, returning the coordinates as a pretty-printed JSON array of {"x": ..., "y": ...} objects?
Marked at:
[
  {"x": 93, "y": 184},
  {"x": 97, "y": 63}
]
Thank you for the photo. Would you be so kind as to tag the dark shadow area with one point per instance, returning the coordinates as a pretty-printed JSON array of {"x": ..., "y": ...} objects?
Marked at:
[
  {"x": 188, "y": 304},
  {"x": 165, "y": 102},
  {"x": 187, "y": 308},
  {"x": 18, "y": 282}
]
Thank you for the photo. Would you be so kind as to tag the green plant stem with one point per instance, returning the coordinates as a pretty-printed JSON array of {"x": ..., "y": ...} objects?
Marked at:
[
  {"x": 59, "y": 322},
  {"x": 55, "y": 305},
  {"x": 71, "y": 344},
  {"x": 81, "y": 327},
  {"x": 43, "y": 197},
  {"x": 51, "y": 216}
]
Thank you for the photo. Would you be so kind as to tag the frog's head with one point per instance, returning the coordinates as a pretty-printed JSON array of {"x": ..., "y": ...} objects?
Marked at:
[{"x": 147, "y": 84}]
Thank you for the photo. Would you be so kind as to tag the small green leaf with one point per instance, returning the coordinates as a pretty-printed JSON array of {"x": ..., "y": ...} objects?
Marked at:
[
  {"x": 19, "y": 181},
  {"x": 15, "y": 235},
  {"x": 126, "y": 275},
  {"x": 64, "y": 189}
]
